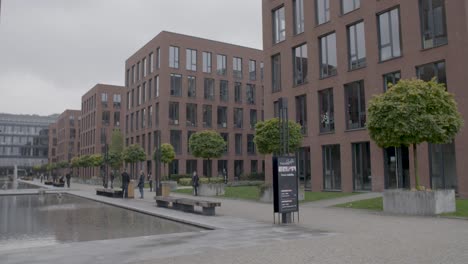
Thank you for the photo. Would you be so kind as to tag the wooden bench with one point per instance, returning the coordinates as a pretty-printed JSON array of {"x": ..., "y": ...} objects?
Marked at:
[
  {"x": 109, "y": 192},
  {"x": 187, "y": 205}
]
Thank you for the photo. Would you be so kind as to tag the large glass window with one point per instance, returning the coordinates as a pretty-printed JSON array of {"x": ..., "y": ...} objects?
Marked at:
[
  {"x": 174, "y": 57},
  {"x": 223, "y": 91},
  {"x": 158, "y": 58},
  {"x": 276, "y": 73},
  {"x": 222, "y": 167},
  {"x": 252, "y": 70},
  {"x": 238, "y": 92},
  {"x": 361, "y": 166},
  {"x": 349, "y": 5},
  {"x": 192, "y": 86},
  {"x": 151, "y": 62},
  {"x": 355, "y": 105},
  {"x": 433, "y": 23},
  {"x": 207, "y": 167},
  {"x": 238, "y": 169},
  {"x": 173, "y": 113},
  {"x": 176, "y": 141},
  {"x": 209, "y": 89},
  {"x": 237, "y": 67},
  {"x": 207, "y": 115},
  {"x": 222, "y": 116},
  {"x": 189, "y": 134},
  {"x": 356, "y": 46},
  {"x": 300, "y": 64},
  {"x": 191, "y": 115},
  {"x": 106, "y": 118},
  {"x": 322, "y": 11},
  {"x": 301, "y": 112},
  {"x": 250, "y": 93},
  {"x": 250, "y": 144},
  {"x": 298, "y": 16},
  {"x": 117, "y": 101},
  {"x": 191, "y": 59},
  {"x": 327, "y": 115},
  {"x": 176, "y": 84},
  {"x": 443, "y": 166},
  {"x": 221, "y": 68},
  {"x": 279, "y": 25},
  {"x": 253, "y": 118},
  {"x": 104, "y": 98},
  {"x": 238, "y": 144},
  {"x": 206, "y": 62},
  {"x": 328, "y": 59},
  {"x": 392, "y": 78},
  {"x": 428, "y": 71},
  {"x": 331, "y": 167},
  {"x": 225, "y": 136},
  {"x": 145, "y": 67},
  {"x": 238, "y": 117},
  {"x": 389, "y": 34},
  {"x": 156, "y": 86},
  {"x": 190, "y": 166}
]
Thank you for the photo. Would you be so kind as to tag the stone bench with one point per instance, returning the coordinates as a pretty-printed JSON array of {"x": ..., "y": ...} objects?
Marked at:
[
  {"x": 187, "y": 205},
  {"x": 109, "y": 192}
]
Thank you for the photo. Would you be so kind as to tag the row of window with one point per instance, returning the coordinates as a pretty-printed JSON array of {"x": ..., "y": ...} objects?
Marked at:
[
  {"x": 389, "y": 43},
  {"x": 17, "y": 129},
  {"x": 191, "y": 166},
  {"x": 144, "y": 92},
  {"x": 117, "y": 100},
  {"x": 432, "y": 17},
  {"x": 23, "y": 152},
  {"x": 144, "y": 118},
  {"x": 355, "y": 104},
  {"x": 146, "y": 66},
  {"x": 176, "y": 142}
]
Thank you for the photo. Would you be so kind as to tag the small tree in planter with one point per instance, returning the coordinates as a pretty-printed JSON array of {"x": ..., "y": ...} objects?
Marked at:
[
  {"x": 208, "y": 145},
  {"x": 115, "y": 158},
  {"x": 410, "y": 113},
  {"x": 132, "y": 154},
  {"x": 267, "y": 140},
  {"x": 167, "y": 156}
]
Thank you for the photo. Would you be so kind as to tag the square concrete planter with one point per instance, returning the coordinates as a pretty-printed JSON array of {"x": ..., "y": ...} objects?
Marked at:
[
  {"x": 419, "y": 202},
  {"x": 171, "y": 184},
  {"x": 211, "y": 189}
]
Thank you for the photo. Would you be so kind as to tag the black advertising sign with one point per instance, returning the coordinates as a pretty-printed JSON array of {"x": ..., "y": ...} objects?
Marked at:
[{"x": 285, "y": 185}]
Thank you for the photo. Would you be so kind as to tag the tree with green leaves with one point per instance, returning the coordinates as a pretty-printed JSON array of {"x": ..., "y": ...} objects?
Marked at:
[
  {"x": 116, "y": 148},
  {"x": 208, "y": 145},
  {"x": 412, "y": 112},
  {"x": 167, "y": 155},
  {"x": 267, "y": 136},
  {"x": 132, "y": 154}
]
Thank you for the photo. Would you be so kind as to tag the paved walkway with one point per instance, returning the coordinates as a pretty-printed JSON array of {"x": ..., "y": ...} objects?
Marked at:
[{"x": 245, "y": 234}]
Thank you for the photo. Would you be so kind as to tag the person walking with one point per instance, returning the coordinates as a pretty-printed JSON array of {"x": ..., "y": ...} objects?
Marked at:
[
  {"x": 68, "y": 177},
  {"x": 141, "y": 184},
  {"x": 150, "y": 181},
  {"x": 195, "y": 182},
  {"x": 125, "y": 182},
  {"x": 112, "y": 179}
]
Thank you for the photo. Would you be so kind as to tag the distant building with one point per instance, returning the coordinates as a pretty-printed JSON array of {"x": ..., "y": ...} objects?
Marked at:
[
  {"x": 101, "y": 112},
  {"x": 177, "y": 85},
  {"x": 24, "y": 141}
]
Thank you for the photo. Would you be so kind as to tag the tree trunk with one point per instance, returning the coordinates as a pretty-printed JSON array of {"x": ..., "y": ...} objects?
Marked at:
[{"x": 415, "y": 164}]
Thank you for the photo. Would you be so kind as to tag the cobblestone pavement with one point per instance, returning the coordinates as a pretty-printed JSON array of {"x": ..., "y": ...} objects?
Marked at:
[{"x": 244, "y": 233}]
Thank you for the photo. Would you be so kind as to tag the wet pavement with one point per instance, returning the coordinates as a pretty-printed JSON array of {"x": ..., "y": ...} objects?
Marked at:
[{"x": 244, "y": 233}]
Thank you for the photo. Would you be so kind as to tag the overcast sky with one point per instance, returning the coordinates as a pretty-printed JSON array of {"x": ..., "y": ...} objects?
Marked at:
[{"x": 53, "y": 51}]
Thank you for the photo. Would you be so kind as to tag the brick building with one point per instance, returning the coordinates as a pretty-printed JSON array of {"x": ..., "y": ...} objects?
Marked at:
[
  {"x": 177, "y": 85},
  {"x": 328, "y": 57},
  {"x": 101, "y": 112}
]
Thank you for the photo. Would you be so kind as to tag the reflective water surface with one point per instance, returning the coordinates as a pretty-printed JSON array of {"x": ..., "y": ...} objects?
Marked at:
[
  {"x": 37, "y": 220},
  {"x": 9, "y": 185}
]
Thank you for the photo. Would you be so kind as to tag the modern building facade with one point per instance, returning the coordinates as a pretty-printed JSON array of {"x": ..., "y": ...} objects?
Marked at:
[
  {"x": 177, "y": 85},
  {"x": 329, "y": 57},
  {"x": 23, "y": 141},
  {"x": 68, "y": 127},
  {"x": 52, "y": 158},
  {"x": 101, "y": 112}
]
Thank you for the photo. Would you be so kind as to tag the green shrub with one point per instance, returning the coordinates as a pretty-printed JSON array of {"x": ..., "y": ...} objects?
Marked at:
[
  {"x": 176, "y": 177},
  {"x": 263, "y": 187},
  {"x": 185, "y": 181},
  {"x": 206, "y": 180}
]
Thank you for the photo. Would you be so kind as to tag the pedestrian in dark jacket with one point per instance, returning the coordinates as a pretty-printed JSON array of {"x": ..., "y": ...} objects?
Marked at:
[
  {"x": 125, "y": 182},
  {"x": 68, "y": 177},
  {"x": 112, "y": 179},
  {"x": 141, "y": 184},
  {"x": 150, "y": 181},
  {"x": 195, "y": 180}
]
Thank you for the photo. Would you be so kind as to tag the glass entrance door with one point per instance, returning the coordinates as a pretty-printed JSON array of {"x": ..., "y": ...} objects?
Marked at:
[
  {"x": 331, "y": 167},
  {"x": 303, "y": 165},
  {"x": 396, "y": 168}
]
